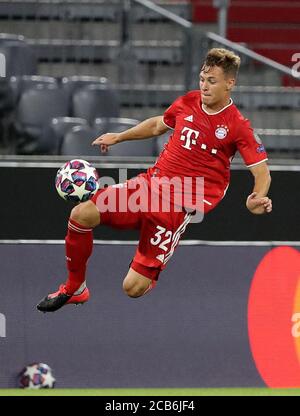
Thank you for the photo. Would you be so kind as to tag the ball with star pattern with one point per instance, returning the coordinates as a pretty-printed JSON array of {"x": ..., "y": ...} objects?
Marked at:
[
  {"x": 36, "y": 376},
  {"x": 77, "y": 181}
]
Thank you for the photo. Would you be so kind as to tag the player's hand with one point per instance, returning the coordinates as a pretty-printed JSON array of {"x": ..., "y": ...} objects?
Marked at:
[
  {"x": 106, "y": 140},
  {"x": 259, "y": 205}
]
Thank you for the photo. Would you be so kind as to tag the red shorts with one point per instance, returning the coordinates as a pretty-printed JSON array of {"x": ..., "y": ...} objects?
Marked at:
[{"x": 160, "y": 231}]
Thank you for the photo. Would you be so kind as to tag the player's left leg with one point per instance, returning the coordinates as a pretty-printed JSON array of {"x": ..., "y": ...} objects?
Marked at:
[
  {"x": 136, "y": 284},
  {"x": 79, "y": 244}
]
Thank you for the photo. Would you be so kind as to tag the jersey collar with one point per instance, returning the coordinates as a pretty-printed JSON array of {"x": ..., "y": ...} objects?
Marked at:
[{"x": 217, "y": 112}]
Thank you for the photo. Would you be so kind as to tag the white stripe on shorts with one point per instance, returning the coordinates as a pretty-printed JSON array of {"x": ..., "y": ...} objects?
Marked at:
[{"x": 176, "y": 236}]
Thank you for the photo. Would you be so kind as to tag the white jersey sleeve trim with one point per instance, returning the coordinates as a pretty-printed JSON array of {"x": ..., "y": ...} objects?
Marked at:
[
  {"x": 254, "y": 164},
  {"x": 167, "y": 125}
]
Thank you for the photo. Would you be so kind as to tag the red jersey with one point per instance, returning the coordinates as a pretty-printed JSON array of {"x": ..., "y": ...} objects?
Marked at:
[{"x": 203, "y": 145}]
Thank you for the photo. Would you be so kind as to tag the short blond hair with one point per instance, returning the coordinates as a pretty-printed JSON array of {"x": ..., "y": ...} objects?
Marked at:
[{"x": 224, "y": 58}]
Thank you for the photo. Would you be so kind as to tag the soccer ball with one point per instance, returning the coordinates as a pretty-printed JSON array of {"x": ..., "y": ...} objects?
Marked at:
[
  {"x": 77, "y": 181},
  {"x": 36, "y": 376}
]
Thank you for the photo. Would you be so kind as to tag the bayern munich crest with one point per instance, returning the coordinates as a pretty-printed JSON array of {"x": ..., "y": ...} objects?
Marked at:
[{"x": 221, "y": 132}]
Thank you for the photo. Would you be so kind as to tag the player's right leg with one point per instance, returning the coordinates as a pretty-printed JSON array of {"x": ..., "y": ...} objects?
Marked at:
[{"x": 79, "y": 244}]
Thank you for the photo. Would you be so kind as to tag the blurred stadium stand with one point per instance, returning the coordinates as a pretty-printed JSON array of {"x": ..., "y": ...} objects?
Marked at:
[
  {"x": 117, "y": 124},
  {"x": 72, "y": 83},
  {"x": 129, "y": 148},
  {"x": 35, "y": 109},
  {"x": 95, "y": 101},
  {"x": 20, "y": 58},
  {"x": 144, "y": 58},
  {"x": 77, "y": 142},
  {"x": 53, "y": 133},
  {"x": 269, "y": 27},
  {"x": 19, "y": 84}
]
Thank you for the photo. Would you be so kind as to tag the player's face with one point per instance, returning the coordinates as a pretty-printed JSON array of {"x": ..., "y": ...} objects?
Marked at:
[{"x": 215, "y": 86}]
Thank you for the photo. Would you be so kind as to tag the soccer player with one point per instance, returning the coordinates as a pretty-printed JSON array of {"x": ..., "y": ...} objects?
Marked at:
[{"x": 206, "y": 131}]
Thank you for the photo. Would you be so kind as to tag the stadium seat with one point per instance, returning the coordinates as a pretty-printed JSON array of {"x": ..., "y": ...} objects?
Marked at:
[
  {"x": 145, "y": 147},
  {"x": 77, "y": 142},
  {"x": 35, "y": 109},
  {"x": 75, "y": 82},
  {"x": 19, "y": 58},
  {"x": 161, "y": 141},
  {"x": 284, "y": 141},
  {"x": 19, "y": 84},
  {"x": 11, "y": 37},
  {"x": 114, "y": 124},
  {"x": 6, "y": 100},
  {"x": 95, "y": 101},
  {"x": 6, "y": 113},
  {"x": 52, "y": 135}
]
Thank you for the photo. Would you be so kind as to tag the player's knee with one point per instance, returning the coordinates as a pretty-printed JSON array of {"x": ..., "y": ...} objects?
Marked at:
[
  {"x": 134, "y": 289},
  {"x": 86, "y": 214}
]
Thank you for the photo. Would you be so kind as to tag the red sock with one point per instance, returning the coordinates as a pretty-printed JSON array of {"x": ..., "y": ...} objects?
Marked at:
[{"x": 79, "y": 245}]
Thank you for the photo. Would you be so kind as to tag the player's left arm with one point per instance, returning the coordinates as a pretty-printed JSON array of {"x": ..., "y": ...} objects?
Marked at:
[{"x": 258, "y": 202}]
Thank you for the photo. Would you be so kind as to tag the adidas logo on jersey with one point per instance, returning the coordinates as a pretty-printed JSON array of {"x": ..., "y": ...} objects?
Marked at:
[{"x": 189, "y": 118}]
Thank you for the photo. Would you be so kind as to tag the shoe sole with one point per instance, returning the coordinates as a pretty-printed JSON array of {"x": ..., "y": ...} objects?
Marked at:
[
  {"x": 75, "y": 304},
  {"x": 46, "y": 309}
]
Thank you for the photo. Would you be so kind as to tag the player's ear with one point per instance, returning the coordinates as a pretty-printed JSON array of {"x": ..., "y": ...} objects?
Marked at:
[{"x": 230, "y": 82}]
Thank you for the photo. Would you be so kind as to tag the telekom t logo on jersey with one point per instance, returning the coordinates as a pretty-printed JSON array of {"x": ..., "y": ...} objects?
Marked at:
[{"x": 189, "y": 136}]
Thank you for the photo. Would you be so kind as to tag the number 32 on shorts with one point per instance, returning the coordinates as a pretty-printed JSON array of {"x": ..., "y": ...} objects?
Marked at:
[{"x": 162, "y": 238}]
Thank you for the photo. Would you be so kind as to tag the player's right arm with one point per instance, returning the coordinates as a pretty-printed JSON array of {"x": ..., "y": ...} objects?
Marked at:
[
  {"x": 151, "y": 127},
  {"x": 255, "y": 157}
]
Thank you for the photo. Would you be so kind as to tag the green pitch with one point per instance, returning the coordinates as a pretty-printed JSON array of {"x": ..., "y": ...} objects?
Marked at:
[{"x": 153, "y": 392}]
